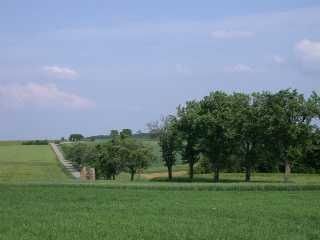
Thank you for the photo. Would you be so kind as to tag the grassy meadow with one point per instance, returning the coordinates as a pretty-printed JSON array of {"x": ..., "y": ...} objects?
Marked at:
[
  {"x": 86, "y": 212},
  {"x": 39, "y": 201},
  {"x": 22, "y": 163}
]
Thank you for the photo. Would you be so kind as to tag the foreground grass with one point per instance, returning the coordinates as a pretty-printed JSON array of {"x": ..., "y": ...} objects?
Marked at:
[
  {"x": 86, "y": 212},
  {"x": 20, "y": 163}
]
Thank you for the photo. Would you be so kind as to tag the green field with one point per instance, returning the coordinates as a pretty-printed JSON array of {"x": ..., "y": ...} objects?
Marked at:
[
  {"x": 84, "y": 212},
  {"x": 19, "y": 163},
  {"x": 39, "y": 201}
]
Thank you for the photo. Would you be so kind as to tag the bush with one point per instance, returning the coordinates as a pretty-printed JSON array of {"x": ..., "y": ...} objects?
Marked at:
[{"x": 36, "y": 142}]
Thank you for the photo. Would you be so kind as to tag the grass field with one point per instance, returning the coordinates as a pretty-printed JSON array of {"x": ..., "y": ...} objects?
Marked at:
[
  {"x": 39, "y": 201},
  {"x": 20, "y": 163},
  {"x": 79, "y": 212}
]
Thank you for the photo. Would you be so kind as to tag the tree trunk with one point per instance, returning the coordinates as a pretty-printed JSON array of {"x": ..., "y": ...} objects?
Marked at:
[
  {"x": 113, "y": 177},
  {"x": 287, "y": 170},
  {"x": 248, "y": 173},
  {"x": 216, "y": 174},
  {"x": 132, "y": 175},
  {"x": 170, "y": 173},
  {"x": 191, "y": 170}
]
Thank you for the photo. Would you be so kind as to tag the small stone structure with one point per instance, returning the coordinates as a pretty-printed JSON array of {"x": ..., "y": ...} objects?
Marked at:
[{"x": 87, "y": 173}]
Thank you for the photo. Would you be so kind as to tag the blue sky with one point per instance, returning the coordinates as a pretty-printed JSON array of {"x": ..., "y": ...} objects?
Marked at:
[{"x": 91, "y": 66}]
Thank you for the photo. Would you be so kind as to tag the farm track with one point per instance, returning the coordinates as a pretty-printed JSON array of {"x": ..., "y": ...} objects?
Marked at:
[{"x": 66, "y": 164}]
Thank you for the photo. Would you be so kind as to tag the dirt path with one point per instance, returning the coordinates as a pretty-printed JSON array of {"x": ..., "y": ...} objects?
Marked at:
[
  {"x": 150, "y": 176},
  {"x": 67, "y": 164}
]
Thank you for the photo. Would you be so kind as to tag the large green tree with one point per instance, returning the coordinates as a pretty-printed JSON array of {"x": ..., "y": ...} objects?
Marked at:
[
  {"x": 135, "y": 156},
  {"x": 214, "y": 125},
  {"x": 109, "y": 162},
  {"x": 125, "y": 133},
  {"x": 186, "y": 124},
  {"x": 286, "y": 118},
  {"x": 168, "y": 141},
  {"x": 249, "y": 132},
  {"x": 75, "y": 137}
]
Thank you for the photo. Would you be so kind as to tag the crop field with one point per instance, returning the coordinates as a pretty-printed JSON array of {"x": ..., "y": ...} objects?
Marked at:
[
  {"x": 19, "y": 163},
  {"x": 39, "y": 201},
  {"x": 87, "y": 212}
]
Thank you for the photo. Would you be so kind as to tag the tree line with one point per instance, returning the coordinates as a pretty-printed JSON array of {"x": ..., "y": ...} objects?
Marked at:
[
  {"x": 122, "y": 153},
  {"x": 244, "y": 130}
]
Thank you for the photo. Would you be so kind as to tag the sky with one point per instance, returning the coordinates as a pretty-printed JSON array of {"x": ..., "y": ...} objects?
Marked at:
[{"x": 91, "y": 66}]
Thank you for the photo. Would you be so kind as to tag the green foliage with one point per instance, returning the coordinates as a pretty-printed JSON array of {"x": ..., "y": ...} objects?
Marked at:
[
  {"x": 286, "y": 119},
  {"x": 75, "y": 137},
  {"x": 168, "y": 142},
  {"x": 125, "y": 133},
  {"x": 203, "y": 166},
  {"x": 75, "y": 152},
  {"x": 35, "y": 142},
  {"x": 134, "y": 155},
  {"x": 186, "y": 125},
  {"x": 215, "y": 127},
  {"x": 108, "y": 164},
  {"x": 111, "y": 157},
  {"x": 114, "y": 133},
  {"x": 260, "y": 131},
  {"x": 154, "y": 129}
]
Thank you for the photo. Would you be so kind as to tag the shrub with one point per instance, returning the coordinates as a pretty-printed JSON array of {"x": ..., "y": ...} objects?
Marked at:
[{"x": 36, "y": 142}]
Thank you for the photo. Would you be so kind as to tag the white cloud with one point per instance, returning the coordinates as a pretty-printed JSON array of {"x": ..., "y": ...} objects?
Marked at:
[
  {"x": 231, "y": 34},
  {"x": 308, "y": 50},
  {"x": 239, "y": 68},
  {"x": 61, "y": 72},
  {"x": 308, "y": 53},
  {"x": 278, "y": 59},
  {"x": 46, "y": 95}
]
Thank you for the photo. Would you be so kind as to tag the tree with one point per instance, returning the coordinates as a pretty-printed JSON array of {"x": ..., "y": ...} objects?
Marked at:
[
  {"x": 135, "y": 156},
  {"x": 287, "y": 117},
  {"x": 90, "y": 155},
  {"x": 313, "y": 106},
  {"x": 154, "y": 129},
  {"x": 109, "y": 163},
  {"x": 214, "y": 125},
  {"x": 248, "y": 130},
  {"x": 126, "y": 133},
  {"x": 114, "y": 133},
  {"x": 75, "y": 137},
  {"x": 168, "y": 142},
  {"x": 311, "y": 157},
  {"x": 186, "y": 125},
  {"x": 115, "y": 136}
]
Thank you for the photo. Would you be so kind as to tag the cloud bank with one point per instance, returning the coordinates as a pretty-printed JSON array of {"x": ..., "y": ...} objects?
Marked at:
[
  {"x": 308, "y": 53},
  {"x": 45, "y": 95},
  {"x": 60, "y": 72}
]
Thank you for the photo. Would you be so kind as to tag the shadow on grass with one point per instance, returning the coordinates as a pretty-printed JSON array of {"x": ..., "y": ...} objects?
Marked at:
[{"x": 183, "y": 179}]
